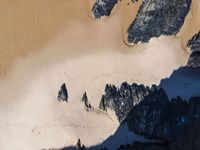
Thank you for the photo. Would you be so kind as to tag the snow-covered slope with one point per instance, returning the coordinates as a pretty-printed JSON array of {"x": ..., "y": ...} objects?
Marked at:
[
  {"x": 184, "y": 82},
  {"x": 32, "y": 117},
  {"x": 69, "y": 47},
  {"x": 120, "y": 137}
]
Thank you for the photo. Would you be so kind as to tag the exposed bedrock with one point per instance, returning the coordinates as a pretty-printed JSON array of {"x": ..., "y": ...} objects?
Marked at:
[
  {"x": 122, "y": 99},
  {"x": 103, "y": 8},
  {"x": 63, "y": 94},
  {"x": 194, "y": 44},
  {"x": 156, "y": 18}
]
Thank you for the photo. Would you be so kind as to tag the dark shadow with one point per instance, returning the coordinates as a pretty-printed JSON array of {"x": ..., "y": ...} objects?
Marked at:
[
  {"x": 121, "y": 136},
  {"x": 184, "y": 82}
]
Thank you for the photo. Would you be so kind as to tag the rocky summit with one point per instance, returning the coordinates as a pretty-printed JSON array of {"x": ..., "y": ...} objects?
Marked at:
[
  {"x": 156, "y": 18},
  {"x": 194, "y": 44}
]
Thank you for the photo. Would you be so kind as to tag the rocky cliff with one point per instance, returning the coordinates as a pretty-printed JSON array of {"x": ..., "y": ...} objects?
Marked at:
[
  {"x": 194, "y": 44},
  {"x": 122, "y": 99},
  {"x": 156, "y": 18}
]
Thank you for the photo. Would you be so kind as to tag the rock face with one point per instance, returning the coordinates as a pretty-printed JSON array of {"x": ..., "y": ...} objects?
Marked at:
[
  {"x": 123, "y": 99},
  {"x": 156, "y": 18},
  {"x": 175, "y": 121},
  {"x": 103, "y": 8},
  {"x": 63, "y": 94},
  {"x": 194, "y": 44}
]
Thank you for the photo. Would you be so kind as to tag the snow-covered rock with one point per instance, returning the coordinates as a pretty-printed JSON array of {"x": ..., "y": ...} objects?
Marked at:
[
  {"x": 63, "y": 94},
  {"x": 156, "y": 18},
  {"x": 103, "y": 8},
  {"x": 121, "y": 100}
]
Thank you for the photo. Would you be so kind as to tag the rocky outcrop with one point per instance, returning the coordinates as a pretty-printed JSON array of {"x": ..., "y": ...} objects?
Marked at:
[
  {"x": 150, "y": 113},
  {"x": 156, "y": 18},
  {"x": 85, "y": 100},
  {"x": 122, "y": 99},
  {"x": 63, "y": 94},
  {"x": 175, "y": 121},
  {"x": 194, "y": 44},
  {"x": 80, "y": 146},
  {"x": 103, "y": 8}
]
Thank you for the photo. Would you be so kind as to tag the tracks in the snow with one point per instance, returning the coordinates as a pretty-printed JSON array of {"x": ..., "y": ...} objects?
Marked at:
[
  {"x": 72, "y": 125},
  {"x": 52, "y": 124}
]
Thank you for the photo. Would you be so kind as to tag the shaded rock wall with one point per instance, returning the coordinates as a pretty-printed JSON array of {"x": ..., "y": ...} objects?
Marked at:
[
  {"x": 176, "y": 121},
  {"x": 194, "y": 44}
]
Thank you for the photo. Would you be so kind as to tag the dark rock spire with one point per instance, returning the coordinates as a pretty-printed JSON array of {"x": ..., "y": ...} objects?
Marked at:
[
  {"x": 63, "y": 94},
  {"x": 86, "y": 102},
  {"x": 79, "y": 146}
]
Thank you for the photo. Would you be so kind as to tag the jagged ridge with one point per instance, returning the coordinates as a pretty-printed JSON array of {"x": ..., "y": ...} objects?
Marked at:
[{"x": 122, "y": 99}]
